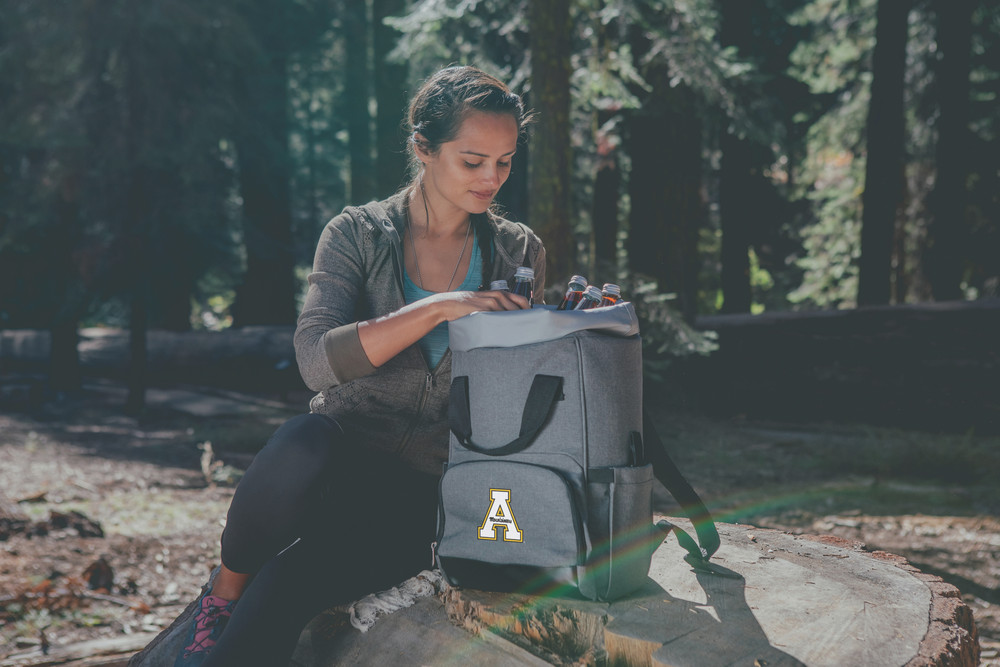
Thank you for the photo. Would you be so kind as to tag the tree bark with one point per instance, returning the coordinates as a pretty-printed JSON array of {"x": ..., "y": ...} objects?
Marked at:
[
  {"x": 137, "y": 210},
  {"x": 947, "y": 203},
  {"x": 267, "y": 295},
  {"x": 391, "y": 96},
  {"x": 665, "y": 189},
  {"x": 549, "y": 194},
  {"x": 608, "y": 176},
  {"x": 354, "y": 108},
  {"x": 884, "y": 182},
  {"x": 513, "y": 196},
  {"x": 172, "y": 279},
  {"x": 737, "y": 186},
  {"x": 607, "y": 183},
  {"x": 736, "y": 212},
  {"x": 64, "y": 365}
]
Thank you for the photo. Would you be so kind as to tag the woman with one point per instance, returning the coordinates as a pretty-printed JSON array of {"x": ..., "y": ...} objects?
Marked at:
[{"x": 341, "y": 502}]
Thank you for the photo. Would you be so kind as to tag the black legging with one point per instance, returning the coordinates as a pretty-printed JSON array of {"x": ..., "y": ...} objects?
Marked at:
[{"x": 363, "y": 523}]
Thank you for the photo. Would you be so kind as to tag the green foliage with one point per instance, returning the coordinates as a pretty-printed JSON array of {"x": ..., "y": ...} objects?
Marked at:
[
  {"x": 666, "y": 337},
  {"x": 67, "y": 159},
  {"x": 317, "y": 140},
  {"x": 834, "y": 63},
  {"x": 983, "y": 273},
  {"x": 490, "y": 34},
  {"x": 832, "y": 244},
  {"x": 109, "y": 119}
]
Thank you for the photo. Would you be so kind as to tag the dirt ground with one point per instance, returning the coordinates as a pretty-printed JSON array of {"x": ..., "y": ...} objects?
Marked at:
[{"x": 151, "y": 498}]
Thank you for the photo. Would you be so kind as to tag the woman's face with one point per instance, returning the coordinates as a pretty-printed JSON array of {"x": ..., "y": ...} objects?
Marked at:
[{"x": 466, "y": 173}]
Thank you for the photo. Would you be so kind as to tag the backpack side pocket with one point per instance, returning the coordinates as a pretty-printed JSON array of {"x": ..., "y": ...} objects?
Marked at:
[{"x": 620, "y": 521}]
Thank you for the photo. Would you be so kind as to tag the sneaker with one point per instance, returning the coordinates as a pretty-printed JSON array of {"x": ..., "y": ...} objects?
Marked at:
[
  {"x": 208, "y": 625},
  {"x": 163, "y": 650}
]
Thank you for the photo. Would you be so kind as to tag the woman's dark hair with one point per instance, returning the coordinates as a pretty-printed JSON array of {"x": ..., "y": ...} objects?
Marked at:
[
  {"x": 439, "y": 107},
  {"x": 435, "y": 117}
]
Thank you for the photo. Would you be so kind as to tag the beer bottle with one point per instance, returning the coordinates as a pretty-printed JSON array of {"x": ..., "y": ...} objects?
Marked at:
[
  {"x": 524, "y": 278},
  {"x": 611, "y": 294},
  {"x": 499, "y": 285},
  {"x": 574, "y": 292},
  {"x": 592, "y": 298}
]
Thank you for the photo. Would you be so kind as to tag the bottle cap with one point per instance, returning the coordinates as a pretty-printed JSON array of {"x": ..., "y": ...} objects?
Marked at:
[
  {"x": 499, "y": 285},
  {"x": 578, "y": 280},
  {"x": 524, "y": 272},
  {"x": 611, "y": 288},
  {"x": 592, "y": 293}
]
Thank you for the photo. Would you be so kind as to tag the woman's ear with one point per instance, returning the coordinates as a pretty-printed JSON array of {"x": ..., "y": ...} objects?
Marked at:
[{"x": 421, "y": 147}]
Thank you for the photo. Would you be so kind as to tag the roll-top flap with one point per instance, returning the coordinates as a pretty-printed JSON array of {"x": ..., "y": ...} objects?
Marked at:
[{"x": 539, "y": 324}]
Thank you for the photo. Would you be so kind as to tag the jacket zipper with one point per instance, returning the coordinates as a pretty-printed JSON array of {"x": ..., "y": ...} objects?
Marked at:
[
  {"x": 429, "y": 377},
  {"x": 428, "y": 386}
]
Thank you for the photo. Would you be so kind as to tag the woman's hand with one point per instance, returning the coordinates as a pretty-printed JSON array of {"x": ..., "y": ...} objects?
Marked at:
[
  {"x": 454, "y": 305},
  {"x": 384, "y": 337}
]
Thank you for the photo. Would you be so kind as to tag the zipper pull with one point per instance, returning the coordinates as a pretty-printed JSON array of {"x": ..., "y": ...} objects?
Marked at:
[
  {"x": 430, "y": 383},
  {"x": 434, "y": 554}
]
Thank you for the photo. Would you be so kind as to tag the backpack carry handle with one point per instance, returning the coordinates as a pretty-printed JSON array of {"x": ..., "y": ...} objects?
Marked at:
[{"x": 545, "y": 391}]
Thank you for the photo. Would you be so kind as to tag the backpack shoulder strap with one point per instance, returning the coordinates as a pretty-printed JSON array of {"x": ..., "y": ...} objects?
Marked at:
[{"x": 670, "y": 476}]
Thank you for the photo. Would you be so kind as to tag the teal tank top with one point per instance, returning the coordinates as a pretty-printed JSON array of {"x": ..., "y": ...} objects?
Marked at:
[{"x": 434, "y": 344}]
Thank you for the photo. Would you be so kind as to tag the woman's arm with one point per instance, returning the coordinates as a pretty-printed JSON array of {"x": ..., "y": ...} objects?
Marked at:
[
  {"x": 328, "y": 321},
  {"x": 332, "y": 347},
  {"x": 382, "y": 338}
]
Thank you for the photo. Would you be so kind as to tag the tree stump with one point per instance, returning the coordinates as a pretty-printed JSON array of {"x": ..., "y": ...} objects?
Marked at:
[{"x": 778, "y": 599}]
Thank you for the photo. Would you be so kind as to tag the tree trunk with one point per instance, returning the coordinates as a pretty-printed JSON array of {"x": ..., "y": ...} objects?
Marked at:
[
  {"x": 884, "y": 182},
  {"x": 267, "y": 295},
  {"x": 607, "y": 177},
  {"x": 947, "y": 203},
  {"x": 665, "y": 189},
  {"x": 549, "y": 195},
  {"x": 138, "y": 357},
  {"x": 64, "y": 359},
  {"x": 171, "y": 278},
  {"x": 136, "y": 209},
  {"x": 607, "y": 182},
  {"x": 391, "y": 96},
  {"x": 354, "y": 106},
  {"x": 513, "y": 196},
  {"x": 737, "y": 186},
  {"x": 736, "y": 213}
]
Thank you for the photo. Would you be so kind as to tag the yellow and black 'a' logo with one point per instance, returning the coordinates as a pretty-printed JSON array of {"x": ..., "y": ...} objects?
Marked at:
[{"x": 500, "y": 516}]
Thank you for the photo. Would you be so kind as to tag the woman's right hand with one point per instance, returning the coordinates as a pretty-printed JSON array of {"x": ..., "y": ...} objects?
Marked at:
[
  {"x": 454, "y": 305},
  {"x": 384, "y": 337}
]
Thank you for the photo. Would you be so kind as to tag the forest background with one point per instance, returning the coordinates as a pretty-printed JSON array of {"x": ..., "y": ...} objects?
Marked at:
[
  {"x": 168, "y": 164},
  {"x": 801, "y": 197}
]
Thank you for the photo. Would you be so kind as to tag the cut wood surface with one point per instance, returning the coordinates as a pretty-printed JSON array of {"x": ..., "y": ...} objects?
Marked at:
[
  {"x": 779, "y": 599},
  {"x": 418, "y": 635},
  {"x": 787, "y": 600}
]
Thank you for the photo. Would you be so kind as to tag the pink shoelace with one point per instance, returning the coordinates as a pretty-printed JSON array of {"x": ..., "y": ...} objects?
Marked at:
[{"x": 214, "y": 610}]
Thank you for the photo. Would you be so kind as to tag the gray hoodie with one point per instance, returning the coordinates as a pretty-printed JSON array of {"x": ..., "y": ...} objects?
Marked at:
[{"x": 400, "y": 407}]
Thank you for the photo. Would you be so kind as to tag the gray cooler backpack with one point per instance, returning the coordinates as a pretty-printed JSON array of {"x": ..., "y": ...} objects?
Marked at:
[{"x": 549, "y": 479}]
